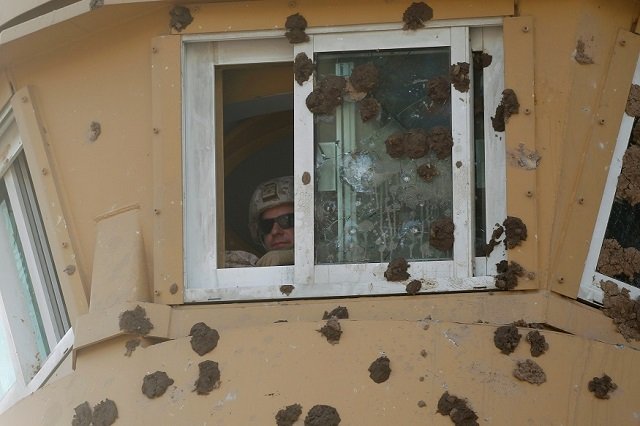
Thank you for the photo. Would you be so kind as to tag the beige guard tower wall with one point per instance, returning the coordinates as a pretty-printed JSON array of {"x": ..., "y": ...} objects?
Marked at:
[{"x": 81, "y": 64}]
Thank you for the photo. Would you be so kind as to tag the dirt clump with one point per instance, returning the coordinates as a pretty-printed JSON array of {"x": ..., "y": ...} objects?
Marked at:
[
  {"x": 515, "y": 232},
  {"x": 624, "y": 312},
  {"x": 208, "y": 377},
  {"x": 83, "y": 415},
  {"x": 302, "y": 68},
  {"x": 105, "y": 413},
  {"x": 529, "y": 371},
  {"x": 286, "y": 289},
  {"x": 422, "y": 404},
  {"x": 508, "y": 106},
  {"x": 341, "y": 312},
  {"x": 369, "y": 109},
  {"x": 493, "y": 242},
  {"x": 322, "y": 415},
  {"x": 438, "y": 89},
  {"x": 441, "y": 234},
  {"x": 289, "y": 415},
  {"x": 295, "y": 26},
  {"x": 538, "y": 343},
  {"x": 633, "y": 101},
  {"x": 601, "y": 386},
  {"x": 135, "y": 321},
  {"x": 180, "y": 18},
  {"x": 581, "y": 56},
  {"x": 440, "y": 142},
  {"x": 203, "y": 338},
  {"x": 523, "y": 323},
  {"x": 615, "y": 261},
  {"x": 397, "y": 270},
  {"x": 327, "y": 96},
  {"x": 415, "y": 143},
  {"x": 380, "y": 369},
  {"x": 506, "y": 338},
  {"x": 523, "y": 157},
  {"x": 94, "y": 131},
  {"x": 395, "y": 145},
  {"x": 457, "y": 409},
  {"x": 416, "y": 15},
  {"x": 364, "y": 77},
  {"x": 481, "y": 60},
  {"x": 508, "y": 273},
  {"x": 131, "y": 346},
  {"x": 413, "y": 287},
  {"x": 628, "y": 187},
  {"x": 332, "y": 331},
  {"x": 427, "y": 172},
  {"x": 156, "y": 384},
  {"x": 459, "y": 75}
]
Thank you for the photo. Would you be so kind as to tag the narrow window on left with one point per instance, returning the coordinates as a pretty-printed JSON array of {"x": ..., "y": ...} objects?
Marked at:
[{"x": 33, "y": 317}]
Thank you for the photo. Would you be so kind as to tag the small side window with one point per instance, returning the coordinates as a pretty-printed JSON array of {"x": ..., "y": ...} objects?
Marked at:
[{"x": 34, "y": 324}]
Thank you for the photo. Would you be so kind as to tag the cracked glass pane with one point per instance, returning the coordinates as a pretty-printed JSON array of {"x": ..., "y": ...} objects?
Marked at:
[{"x": 383, "y": 159}]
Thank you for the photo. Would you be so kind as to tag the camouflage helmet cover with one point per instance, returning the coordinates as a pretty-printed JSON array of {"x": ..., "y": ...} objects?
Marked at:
[{"x": 268, "y": 194}]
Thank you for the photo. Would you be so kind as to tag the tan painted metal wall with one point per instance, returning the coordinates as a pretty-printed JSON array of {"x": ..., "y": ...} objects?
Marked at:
[{"x": 99, "y": 67}]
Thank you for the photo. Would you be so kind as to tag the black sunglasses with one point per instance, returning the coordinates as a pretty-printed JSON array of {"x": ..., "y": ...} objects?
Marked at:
[{"x": 284, "y": 221}]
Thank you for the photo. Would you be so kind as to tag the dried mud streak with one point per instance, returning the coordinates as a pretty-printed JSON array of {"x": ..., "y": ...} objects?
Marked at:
[
  {"x": 508, "y": 106},
  {"x": 135, "y": 321},
  {"x": 515, "y": 232},
  {"x": 413, "y": 287},
  {"x": 341, "y": 312},
  {"x": 602, "y": 386},
  {"x": 624, "y": 312},
  {"x": 633, "y": 101},
  {"x": 457, "y": 409},
  {"x": 332, "y": 331},
  {"x": 395, "y": 145},
  {"x": 303, "y": 68},
  {"x": 538, "y": 343},
  {"x": 203, "y": 338},
  {"x": 508, "y": 273},
  {"x": 369, "y": 109},
  {"x": 83, "y": 415},
  {"x": 438, "y": 89},
  {"x": 322, "y": 415},
  {"x": 529, "y": 371},
  {"x": 365, "y": 77},
  {"x": 506, "y": 338},
  {"x": 286, "y": 289},
  {"x": 131, "y": 346},
  {"x": 380, "y": 369},
  {"x": 156, "y": 384},
  {"x": 296, "y": 25},
  {"x": 628, "y": 186},
  {"x": 493, "y": 242},
  {"x": 440, "y": 142},
  {"x": 105, "y": 413},
  {"x": 581, "y": 56},
  {"x": 427, "y": 172},
  {"x": 459, "y": 76},
  {"x": 441, "y": 234},
  {"x": 324, "y": 99},
  {"x": 614, "y": 260},
  {"x": 208, "y": 378},
  {"x": 180, "y": 18},
  {"x": 289, "y": 415},
  {"x": 397, "y": 270},
  {"x": 416, "y": 15}
]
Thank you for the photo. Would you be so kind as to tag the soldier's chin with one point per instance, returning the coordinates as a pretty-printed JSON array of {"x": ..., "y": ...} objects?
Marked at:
[{"x": 281, "y": 246}]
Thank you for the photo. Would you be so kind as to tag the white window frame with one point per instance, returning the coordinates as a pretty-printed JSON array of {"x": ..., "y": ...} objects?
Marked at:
[
  {"x": 204, "y": 281},
  {"x": 590, "y": 284},
  {"x": 30, "y": 371}
]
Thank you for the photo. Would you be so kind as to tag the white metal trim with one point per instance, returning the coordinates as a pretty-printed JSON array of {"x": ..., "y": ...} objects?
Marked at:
[{"x": 353, "y": 41}]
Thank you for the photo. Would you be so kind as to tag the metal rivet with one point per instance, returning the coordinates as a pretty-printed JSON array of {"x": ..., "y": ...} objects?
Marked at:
[
  {"x": 560, "y": 280},
  {"x": 65, "y": 244},
  {"x": 156, "y": 292},
  {"x": 156, "y": 211},
  {"x": 306, "y": 178},
  {"x": 602, "y": 121},
  {"x": 292, "y": 4},
  {"x": 527, "y": 111},
  {"x": 529, "y": 194},
  {"x": 580, "y": 200},
  {"x": 154, "y": 49},
  {"x": 622, "y": 43},
  {"x": 525, "y": 29},
  {"x": 156, "y": 130},
  {"x": 24, "y": 99},
  {"x": 45, "y": 172}
]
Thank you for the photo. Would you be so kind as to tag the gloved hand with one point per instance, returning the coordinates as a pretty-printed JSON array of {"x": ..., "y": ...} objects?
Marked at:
[{"x": 276, "y": 258}]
